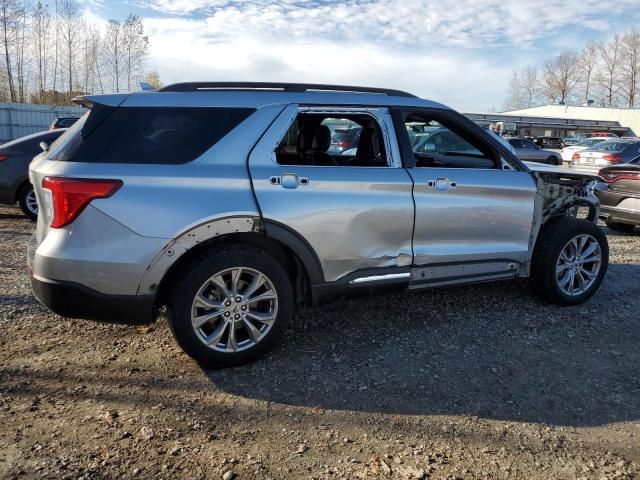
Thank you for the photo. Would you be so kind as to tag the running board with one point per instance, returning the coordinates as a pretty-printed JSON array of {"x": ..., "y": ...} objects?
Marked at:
[{"x": 452, "y": 274}]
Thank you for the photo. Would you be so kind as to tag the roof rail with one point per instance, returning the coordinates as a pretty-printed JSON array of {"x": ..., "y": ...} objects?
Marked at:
[{"x": 285, "y": 87}]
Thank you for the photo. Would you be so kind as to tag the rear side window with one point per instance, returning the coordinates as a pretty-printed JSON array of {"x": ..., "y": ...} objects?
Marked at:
[{"x": 158, "y": 135}]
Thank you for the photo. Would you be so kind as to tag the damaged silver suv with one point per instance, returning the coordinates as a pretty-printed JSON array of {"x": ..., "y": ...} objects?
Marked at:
[{"x": 222, "y": 203}]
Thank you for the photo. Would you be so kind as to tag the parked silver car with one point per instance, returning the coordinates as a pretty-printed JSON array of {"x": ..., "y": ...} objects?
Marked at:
[
  {"x": 220, "y": 202},
  {"x": 612, "y": 152},
  {"x": 527, "y": 150}
]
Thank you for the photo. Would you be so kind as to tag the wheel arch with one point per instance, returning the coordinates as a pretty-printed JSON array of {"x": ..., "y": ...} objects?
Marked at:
[{"x": 291, "y": 250}]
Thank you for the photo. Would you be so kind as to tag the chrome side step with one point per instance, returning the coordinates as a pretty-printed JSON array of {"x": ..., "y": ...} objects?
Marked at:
[{"x": 380, "y": 278}]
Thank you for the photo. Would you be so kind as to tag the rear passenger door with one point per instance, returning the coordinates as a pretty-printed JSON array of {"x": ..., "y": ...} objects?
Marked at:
[
  {"x": 473, "y": 218},
  {"x": 353, "y": 208}
]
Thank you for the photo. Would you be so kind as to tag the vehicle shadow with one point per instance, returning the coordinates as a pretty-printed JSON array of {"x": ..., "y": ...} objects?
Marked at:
[
  {"x": 491, "y": 350},
  {"x": 4, "y": 215}
]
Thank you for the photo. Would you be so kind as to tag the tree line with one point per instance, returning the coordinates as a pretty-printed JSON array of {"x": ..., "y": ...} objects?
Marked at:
[
  {"x": 50, "y": 54},
  {"x": 605, "y": 73}
]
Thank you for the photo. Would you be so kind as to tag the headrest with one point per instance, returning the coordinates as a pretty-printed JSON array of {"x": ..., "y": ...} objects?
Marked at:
[{"x": 321, "y": 138}]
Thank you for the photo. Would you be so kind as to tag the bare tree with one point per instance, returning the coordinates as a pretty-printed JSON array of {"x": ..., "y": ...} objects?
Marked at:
[
  {"x": 20, "y": 52},
  {"x": 136, "y": 46},
  {"x": 560, "y": 77},
  {"x": 70, "y": 23},
  {"x": 523, "y": 89},
  {"x": 630, "y": 66},
  {"x": 41, "y": 32},
  {"x": 587, "y": 67},
  {"x": 9, "y": 14},
  {"x": 530, "y": 85},
  {"x": 607, "y": 78},
  {"x": 90, "y": 50},
  {"x": 113, "y": 48}
]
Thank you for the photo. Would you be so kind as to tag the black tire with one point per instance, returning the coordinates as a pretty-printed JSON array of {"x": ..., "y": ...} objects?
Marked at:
[
  {"x": 194, "y": 276},
  {"x": 620, "y": 227},
  {"x": 23, "y": 201},
  {"x": 553, "y": 238},
  {"x": 553, "y": 160}
]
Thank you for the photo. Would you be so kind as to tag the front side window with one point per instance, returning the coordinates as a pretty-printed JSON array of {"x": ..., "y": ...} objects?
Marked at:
[
  {"x": 439, "y": 143},
  {"x": 333, "y": 140}
]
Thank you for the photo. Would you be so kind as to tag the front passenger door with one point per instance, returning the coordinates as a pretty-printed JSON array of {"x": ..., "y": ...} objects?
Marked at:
[{"x": 473, "y": 218}]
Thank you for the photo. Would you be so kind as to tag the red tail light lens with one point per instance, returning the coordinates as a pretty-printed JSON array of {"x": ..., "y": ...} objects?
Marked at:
[
  {"x": 612, "y": 158},
  {"x": 4, "y": 157},
  {"x": 576, "y": 156},
  {"x": 614, "y": 176},
  {"x": 344, "y": 144},
  {"x": 69, "y": 196}
]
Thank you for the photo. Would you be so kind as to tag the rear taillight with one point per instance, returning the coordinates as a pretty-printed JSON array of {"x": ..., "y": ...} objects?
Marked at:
[
  {"x": 69, "y": 196},
  {"x": 576, "y": 156},
  {"x": 344, "y": 144},
  {"x": 611, "y": 177},
  {"x": 612, "y": 158},
  {"x": 4, "y": 157}
]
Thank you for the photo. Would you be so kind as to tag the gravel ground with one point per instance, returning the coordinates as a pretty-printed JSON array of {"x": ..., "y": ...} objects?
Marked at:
[{"x": 469, "y": 382}]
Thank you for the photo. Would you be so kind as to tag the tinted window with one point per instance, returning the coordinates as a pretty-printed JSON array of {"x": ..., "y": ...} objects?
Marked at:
[
  {"x": 161, "y": 135},
  {"x": 67, "y": 122},
  {"x": 515, "y": 142}
]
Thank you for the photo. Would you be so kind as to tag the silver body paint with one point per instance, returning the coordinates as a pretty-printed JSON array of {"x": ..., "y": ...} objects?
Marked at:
[{"x": 444, "y": 226}]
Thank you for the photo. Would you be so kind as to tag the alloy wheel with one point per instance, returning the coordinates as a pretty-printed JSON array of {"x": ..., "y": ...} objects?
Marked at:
[
  {"x": 578, "y": 265},
  {"x": 31, "y": 202},
  {"x": 234, "y": 309}
]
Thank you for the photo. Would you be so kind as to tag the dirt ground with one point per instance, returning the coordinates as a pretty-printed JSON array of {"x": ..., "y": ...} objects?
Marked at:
[{"x": 465, "y": 383}]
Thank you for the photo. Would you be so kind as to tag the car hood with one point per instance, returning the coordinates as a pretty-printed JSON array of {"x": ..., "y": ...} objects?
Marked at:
[{"x": 545, "y": 168}]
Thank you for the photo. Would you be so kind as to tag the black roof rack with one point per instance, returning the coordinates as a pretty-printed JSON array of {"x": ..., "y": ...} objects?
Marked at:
[{"x": 285, "y": 87}]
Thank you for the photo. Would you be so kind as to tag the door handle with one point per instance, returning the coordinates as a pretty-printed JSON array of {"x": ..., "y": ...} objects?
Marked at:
[
  {"x": 441, "y": 184},
  {"x": 288, "y": 180}
]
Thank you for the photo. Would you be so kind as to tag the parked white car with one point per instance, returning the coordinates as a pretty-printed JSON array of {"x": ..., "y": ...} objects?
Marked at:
[{"x": 567, "y": 152}]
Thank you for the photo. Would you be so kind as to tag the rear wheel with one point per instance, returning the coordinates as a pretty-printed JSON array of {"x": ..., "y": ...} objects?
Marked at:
[
  {"x": 553, "y": 160},
  {"x": 620, "y": 227},
  {"x": 569, "y": 261},
  {"x": 231, "y": 307},
  {"x": 27, "y": 201}
]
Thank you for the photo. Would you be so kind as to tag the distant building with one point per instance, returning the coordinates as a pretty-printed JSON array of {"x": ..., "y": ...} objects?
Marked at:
[{"x": 566, "y": 120}]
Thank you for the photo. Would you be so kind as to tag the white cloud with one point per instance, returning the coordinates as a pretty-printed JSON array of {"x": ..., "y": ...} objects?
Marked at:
[
  {"x": 460, "y": 23},
  {"x": 460, "y": 52}
]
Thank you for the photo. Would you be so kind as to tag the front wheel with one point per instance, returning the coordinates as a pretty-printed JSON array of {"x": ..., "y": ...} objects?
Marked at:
[
  {"x": 553, "y": 160},
  {"x": 569, "y": 261},
  {"x": 27, "y": 201},
  {"x": 231, "y": 306}
]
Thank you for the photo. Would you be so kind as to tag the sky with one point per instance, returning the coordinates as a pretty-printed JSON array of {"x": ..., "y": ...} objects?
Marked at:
[{"x": 457, "y": 52}]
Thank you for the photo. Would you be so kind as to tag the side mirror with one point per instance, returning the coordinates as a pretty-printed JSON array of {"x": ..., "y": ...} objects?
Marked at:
[
  {"x": 429, "y": 147},
  {"x": 44, "y": 146}
]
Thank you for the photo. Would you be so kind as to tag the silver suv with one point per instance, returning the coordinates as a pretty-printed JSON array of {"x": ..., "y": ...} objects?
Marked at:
[{"x": 220, "y": 202}]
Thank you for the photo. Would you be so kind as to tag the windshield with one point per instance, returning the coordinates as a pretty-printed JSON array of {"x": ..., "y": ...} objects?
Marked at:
[
  {"x": 591, "y": 142},
  {"x": 611, "y": 146}
]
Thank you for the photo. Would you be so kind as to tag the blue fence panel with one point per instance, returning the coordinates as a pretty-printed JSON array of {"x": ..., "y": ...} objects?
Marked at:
[{"x": 20, "y": 119}]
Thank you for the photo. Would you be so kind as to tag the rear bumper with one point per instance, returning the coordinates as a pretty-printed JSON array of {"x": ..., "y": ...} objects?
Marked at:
[
  {"x": 77, "y": 301},
  {"x": 620, "y": 215}
]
